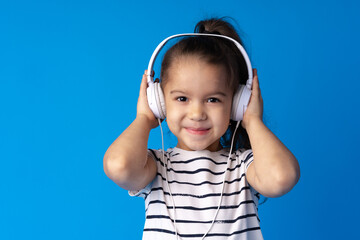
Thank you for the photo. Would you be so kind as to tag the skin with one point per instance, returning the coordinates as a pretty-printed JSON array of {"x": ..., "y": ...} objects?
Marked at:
[
  {"x": 198, "y": 107},
  {"x": 198, "y": 116}
]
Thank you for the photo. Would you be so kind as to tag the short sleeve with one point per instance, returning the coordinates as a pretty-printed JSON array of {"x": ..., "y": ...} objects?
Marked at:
[
  {"x": 146, "y": 190},
  {"x": 143, "y": 192},
  {"x": 248, "y": 158}
]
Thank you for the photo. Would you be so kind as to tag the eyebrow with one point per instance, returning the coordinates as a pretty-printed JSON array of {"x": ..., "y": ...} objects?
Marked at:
[{"x": 182, "y": 92}]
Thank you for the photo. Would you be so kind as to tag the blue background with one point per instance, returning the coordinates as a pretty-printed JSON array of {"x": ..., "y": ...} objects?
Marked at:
[{"x": 69, "y": 79}]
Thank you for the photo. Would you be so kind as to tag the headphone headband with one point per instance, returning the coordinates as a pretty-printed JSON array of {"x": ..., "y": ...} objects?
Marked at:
[{"x": 162, "y": 44}]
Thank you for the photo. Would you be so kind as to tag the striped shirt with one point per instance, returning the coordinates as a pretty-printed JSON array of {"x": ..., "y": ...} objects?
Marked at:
[{"x": 195, "y": 179}]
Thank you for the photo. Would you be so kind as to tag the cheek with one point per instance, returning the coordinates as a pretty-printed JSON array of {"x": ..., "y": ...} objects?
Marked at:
[
  {"x": 226, "y": 108},
  {"x": 222, "y": 121},
  {"x": 172, "y": 117},
  {"x": 223, "y": 118}
]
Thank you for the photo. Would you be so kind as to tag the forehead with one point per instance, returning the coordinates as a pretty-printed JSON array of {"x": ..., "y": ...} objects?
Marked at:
[{"x": 193, "y": 73}]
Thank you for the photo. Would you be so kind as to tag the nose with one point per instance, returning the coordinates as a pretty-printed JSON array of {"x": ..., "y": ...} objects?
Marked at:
[{"x": 197, "y": 112}]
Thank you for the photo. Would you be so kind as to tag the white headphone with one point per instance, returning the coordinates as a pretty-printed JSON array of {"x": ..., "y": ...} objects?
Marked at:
[{"x": 241, "y": 97}]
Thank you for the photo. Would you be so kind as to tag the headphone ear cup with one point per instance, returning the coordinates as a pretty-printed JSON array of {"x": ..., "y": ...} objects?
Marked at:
[
  {"x": 155, "y": 99},
  {"x": 150, "y": 92},
  {"x": 160, "y": 100},
  {"x": 240, "y": 101}
]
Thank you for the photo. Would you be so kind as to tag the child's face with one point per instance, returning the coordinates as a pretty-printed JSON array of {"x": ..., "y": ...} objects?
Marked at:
[{"x": 198, "y": 103}]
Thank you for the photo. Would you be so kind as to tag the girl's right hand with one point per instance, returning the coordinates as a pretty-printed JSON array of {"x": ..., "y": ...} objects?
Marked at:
[{"x": 143, "y": 109}]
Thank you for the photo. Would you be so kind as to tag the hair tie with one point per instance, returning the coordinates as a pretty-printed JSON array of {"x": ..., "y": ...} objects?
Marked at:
[
  {"x": 214, "y": 32},
  {"x": 203, "y": 30}
]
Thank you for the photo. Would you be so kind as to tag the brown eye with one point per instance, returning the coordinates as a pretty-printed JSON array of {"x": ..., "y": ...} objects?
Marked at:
[
  {"x": 181, "y": 99},
  {"x": 213, "y": 100}
]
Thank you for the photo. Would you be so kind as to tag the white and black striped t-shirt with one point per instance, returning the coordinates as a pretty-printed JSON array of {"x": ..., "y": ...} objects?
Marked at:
[{"x": 195, "y": 179}]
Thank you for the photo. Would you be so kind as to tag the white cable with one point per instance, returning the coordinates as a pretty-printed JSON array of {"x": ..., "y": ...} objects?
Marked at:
[
  {"x": 223, "y": 183},
  {"x": 166, "y": 177}
]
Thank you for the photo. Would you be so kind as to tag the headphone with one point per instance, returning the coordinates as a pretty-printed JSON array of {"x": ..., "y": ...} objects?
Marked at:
[{"x": 155, "y": 95}]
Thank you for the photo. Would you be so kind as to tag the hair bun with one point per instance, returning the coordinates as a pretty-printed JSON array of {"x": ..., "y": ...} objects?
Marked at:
[
  {"x": 202, "y": 29},
  {"x": 217, "y": 26}
]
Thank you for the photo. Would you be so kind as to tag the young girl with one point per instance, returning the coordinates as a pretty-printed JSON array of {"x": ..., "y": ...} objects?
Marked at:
[{"x": 201, "y": 188}]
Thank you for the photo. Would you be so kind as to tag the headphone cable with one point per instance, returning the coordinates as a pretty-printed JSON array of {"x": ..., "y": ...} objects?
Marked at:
[
  {"x": 223, "y": 183},
  {"x": 166, "y": 177}
]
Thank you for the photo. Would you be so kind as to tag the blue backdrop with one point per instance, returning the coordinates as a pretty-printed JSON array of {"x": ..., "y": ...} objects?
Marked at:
[{"x": 69, "y": 78}]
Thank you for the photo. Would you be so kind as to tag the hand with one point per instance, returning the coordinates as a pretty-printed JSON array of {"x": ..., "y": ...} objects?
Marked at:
[
  {"x": 143, "y": 109},
  {"x": 254, "y": 110}
]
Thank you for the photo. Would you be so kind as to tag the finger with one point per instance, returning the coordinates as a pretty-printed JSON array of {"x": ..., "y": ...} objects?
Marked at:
[
  {"x": 145, "y": 76},
  {"x": 152, "y": 73},
  {"x": 254, "y": 71},
  {"x": 256, "y": 86},
  {"x": 255, "y": 79},
  {"x": 143, "y": 81}
]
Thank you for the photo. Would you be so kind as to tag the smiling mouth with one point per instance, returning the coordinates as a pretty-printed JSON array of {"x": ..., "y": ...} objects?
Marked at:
[{"x": 198, "y": 131}]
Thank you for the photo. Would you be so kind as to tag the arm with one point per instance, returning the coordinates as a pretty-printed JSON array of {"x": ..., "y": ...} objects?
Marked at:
[
  {"x": 126, "y": 161},
  {"x": 275, "y": 170}
]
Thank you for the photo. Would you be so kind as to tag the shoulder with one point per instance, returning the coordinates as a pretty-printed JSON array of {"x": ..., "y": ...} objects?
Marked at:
[
  {"x": 158, "y": 152},
  {"x": 245, "y": 156},
  {"x": 158, "y": 155}
]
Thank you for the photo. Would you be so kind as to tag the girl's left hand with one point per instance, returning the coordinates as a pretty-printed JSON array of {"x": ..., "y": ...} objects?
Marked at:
[{"x": 255, "y": 107}]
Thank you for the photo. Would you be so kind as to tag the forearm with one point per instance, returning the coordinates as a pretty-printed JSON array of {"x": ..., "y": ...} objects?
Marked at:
[
  {"x": 132, "y": 143},
  {"x": 127, "y": 155},
  {"x": 276, "y": 168}
]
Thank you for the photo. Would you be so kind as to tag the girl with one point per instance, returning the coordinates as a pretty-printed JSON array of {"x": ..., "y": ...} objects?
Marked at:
[{"x": 201, "y": 188}]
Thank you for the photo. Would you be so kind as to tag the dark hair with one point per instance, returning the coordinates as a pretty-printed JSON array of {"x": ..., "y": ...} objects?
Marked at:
[{"x": 216, "y": 51}]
